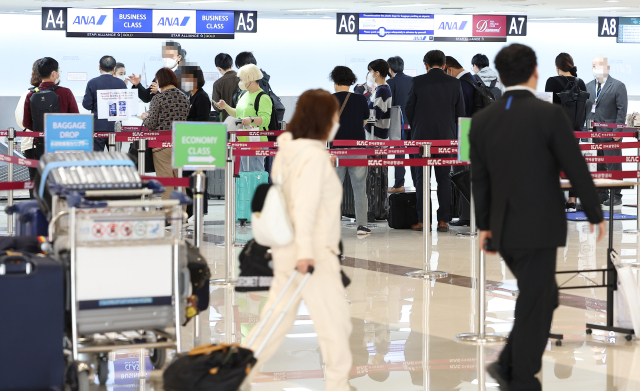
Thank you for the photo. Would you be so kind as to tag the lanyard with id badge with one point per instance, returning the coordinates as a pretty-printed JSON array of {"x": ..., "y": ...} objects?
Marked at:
[{"x": 595, "y": 104}]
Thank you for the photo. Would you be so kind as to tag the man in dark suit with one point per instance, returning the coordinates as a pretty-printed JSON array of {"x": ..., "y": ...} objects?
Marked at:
[
  {"x": 106, "y": 81},
  {"x": 607, "y": 103},
  {"x": 467, "y": 81},
  {"x": 400, "y": 85},
  {"x": 434, "y": 105},
  {"x": 519, "y": 146}
]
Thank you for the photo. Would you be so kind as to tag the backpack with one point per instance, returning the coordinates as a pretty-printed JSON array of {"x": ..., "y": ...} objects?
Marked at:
[
  {"x": 482, "y": 97},
  {"x": 497, "y": 92},
  {"x": 574, "y": 101},
  {"x": 41, "y": 102},
  {"x": 278, "y": 107},
  {"x": 273, "y": 123}
]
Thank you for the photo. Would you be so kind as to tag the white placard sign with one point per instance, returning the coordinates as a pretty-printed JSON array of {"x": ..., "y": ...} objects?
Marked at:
[{"x": 117, "y": 105}]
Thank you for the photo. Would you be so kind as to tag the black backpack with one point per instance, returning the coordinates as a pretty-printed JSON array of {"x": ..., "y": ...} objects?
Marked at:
[
  {"x": 497, "y": 92},
  {"x": 278, "y": 107},
  {"x": 574, "y": 101},
  {"x": 274, "y": 124},
  {"x": 483, "y": 95},
  {"x": 41, "y": 102}
]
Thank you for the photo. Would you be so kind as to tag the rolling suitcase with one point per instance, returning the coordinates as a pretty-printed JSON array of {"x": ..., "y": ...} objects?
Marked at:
[
  {"x": 29, "y": 220},
  {"x": 224, "y": 367},
  {"x": 348, "y": 202},
  {"x": 246, "y": 186},
  {"x": 377, "y": 192},
  {"x": 32, "y": 326},
  {"x": 215, "y": 183},
  {"x": 402, "y": 210}
]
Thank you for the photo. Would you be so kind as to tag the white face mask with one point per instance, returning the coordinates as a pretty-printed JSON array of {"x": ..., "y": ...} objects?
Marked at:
[
  {"x": 121, "y": 77},
  {"x": 187, "y": 85},
  {"x": 57, "y": 79},
  {"x": 242, "y": 86},
  {"x": 598, "y": 72},
  {"x": 333, "y": 131},
  {"x": 370, "y": 78},
  {"x": 169, "y": 62}
]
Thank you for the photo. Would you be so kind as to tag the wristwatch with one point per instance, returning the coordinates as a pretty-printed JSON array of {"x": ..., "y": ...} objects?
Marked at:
[{"x": 251, "y": 119}]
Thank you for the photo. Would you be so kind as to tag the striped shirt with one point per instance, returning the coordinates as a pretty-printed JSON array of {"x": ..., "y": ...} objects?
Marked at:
[{"x": 382, "y": 105}]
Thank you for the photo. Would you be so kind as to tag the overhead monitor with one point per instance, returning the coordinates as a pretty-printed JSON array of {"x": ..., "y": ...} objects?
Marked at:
[
  {"x": 628, "y": 30},
  {"x": 395, "y": 27},
  {"x": 147, "y": 23}
]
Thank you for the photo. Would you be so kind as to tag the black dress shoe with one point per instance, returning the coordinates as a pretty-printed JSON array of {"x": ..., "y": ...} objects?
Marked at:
[
  {"x": 616, "y": 201},
  {"x": 460, "y": 223},
  {"x": 497, "y": 372}
]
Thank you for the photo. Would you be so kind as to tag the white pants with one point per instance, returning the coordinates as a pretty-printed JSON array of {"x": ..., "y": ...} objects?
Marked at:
[{"x": 324, "y": 296}]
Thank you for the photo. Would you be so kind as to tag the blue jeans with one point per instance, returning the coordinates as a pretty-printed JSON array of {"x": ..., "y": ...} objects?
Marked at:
[{"x": 358, "y": 176}]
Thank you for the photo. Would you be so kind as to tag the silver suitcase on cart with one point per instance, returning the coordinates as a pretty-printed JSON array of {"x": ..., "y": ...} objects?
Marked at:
[{"x": 215, "y": 183}]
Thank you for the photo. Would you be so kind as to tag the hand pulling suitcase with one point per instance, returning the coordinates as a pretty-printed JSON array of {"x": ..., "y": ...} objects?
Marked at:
[
  {"x": 246, "y": 186},
  {"x": 215, "y": 183},
  {"x": 224, "y": 367},
  {"x": 32, "y": 326},
  {"x": 402, "y": 210},
  {"x": 29, "y": 220}
]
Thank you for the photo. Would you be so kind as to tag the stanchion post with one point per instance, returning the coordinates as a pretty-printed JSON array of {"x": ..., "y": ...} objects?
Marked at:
[
  {"x": 229, "y": 221},
  {"x": 111, "y": 143},
  {"x": 481, "y": 337},
  {"x": 472, "y": 223},
  {"x": 11, "y": 136},
  {"x": 426, "y": 222},
  {"x": 198, "y": 184},
  {"x": 637, "y": 229},
  {"x": 142, "y": 146}
]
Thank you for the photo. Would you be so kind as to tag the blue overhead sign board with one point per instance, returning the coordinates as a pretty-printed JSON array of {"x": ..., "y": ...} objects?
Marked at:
[
  {"x": 68, "y": 133},
  {"x": 147, "y": 23}
]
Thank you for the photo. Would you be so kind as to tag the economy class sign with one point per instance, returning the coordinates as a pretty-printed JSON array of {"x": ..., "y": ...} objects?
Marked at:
[{"x": 199, "y": 145}]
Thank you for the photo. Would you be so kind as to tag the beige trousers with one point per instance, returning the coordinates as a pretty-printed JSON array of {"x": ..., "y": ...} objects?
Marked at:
[
  {"x": 324, "y": 296},
  {"x": 162, "y": 163}
]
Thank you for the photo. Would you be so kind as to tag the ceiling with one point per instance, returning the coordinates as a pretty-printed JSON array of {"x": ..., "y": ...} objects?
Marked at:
[{"x": 569, "y": 10}]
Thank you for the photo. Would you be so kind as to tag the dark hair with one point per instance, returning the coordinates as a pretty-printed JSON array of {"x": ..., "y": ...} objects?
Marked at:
[
  {"x": 564, "y": 62},
  {"x": 313, "y": 116},
  {"x": 35, "y": 76},
  {"x": 175, "y": 45},
  {"x": 515, "y": 64},
  {"x": 119, "y": 65},
  {"x": 452, "y": 63},
  {"x": 46, "y": 65},
  {"x": 380, "y": 66},
  {"x": 196, "y": 72},
  {"x": 343, "y": 76},
  {"x": 434, "y": 58},
  {"x": 165, "y": 77},
  {"x": 224, "y": 61},
  {"x": 245, "y": 58},
  {"x": 480, "y": 60},
  {"x": 396, "y": 63},
  {"x": 107, "y": 63}
]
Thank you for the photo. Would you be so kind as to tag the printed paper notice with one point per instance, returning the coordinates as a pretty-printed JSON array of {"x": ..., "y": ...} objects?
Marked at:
[{"x": 117, "y": 105}]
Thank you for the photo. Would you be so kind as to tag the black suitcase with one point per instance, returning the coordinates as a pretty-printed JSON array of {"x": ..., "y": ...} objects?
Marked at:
[
  {"x": 402, "y": 210},
  {"x": 378, "y": 192},
  {"x": 32, "y": 326},
  {"x": 348, "y": 202}
]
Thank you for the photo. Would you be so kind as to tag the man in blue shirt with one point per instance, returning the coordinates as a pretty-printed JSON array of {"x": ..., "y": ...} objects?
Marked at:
[
  {"x": 400, "y": 85},
  {"x": 106, "y": 81}
]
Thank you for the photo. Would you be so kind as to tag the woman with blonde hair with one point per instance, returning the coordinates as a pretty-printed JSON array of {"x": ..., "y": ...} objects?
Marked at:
[{"x": 313, "y": 194}]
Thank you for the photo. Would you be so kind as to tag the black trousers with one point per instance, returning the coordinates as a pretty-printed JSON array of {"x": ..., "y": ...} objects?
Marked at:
[
  {"x": 444, "y": 192},
  {"x": 610, "y": 167},
  {"x": 34, "y": 153},
  {"x": 465, "y": 206},
  {"x": 100, "y": 144},
  {"x": 522, "y": 355}
]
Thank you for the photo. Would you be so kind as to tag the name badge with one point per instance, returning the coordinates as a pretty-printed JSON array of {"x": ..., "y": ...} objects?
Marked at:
[{"x": 593, "y": 108}]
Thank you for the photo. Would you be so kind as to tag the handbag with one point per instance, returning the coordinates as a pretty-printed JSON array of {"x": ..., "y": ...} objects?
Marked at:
[
  {"x": 256, "y": 268},
  {"x": 270, "y": 224}
]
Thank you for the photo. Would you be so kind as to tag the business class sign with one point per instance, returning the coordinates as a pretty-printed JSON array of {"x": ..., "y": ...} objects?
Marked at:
[{"x": 147, "y": 23}]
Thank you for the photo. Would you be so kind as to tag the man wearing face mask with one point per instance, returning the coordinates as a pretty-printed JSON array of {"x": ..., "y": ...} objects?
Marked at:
[
  {"x": 607, "y": 103},
  {"x": 105, "y": 81},
  {"x": 173, "y": 57}
]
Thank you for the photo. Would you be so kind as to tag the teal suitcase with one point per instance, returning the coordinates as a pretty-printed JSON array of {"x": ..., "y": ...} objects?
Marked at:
[{"x": 246, "y": 187}]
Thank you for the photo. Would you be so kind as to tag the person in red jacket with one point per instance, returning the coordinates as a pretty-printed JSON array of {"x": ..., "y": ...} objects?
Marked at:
[{"x": 50, "y": 72}]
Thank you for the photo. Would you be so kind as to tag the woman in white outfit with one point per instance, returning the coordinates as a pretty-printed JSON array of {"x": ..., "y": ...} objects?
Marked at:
[{"x": 313, "y": 194}]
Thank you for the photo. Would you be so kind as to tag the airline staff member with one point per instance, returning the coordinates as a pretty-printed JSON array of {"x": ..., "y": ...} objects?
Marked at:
[{"x": 173, "y": 57}]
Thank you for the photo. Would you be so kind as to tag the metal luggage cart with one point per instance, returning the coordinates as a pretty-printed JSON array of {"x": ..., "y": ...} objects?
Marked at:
[{"x": 128, "y": 279}]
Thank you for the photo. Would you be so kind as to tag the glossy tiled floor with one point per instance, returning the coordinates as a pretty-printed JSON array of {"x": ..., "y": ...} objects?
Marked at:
[{"x": 403, "y": 329}]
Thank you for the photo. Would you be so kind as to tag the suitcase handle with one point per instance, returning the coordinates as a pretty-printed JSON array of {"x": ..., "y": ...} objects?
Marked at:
[{"x": 15, "y": 265}]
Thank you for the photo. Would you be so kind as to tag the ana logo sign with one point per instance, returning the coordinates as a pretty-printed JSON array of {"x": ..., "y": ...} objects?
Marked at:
[
  {"x": 173, "y": 21},
  {"x": 81, "y": 20},
  {"x": 452, "y": 25},
  {"x": 89, "y": 20}
]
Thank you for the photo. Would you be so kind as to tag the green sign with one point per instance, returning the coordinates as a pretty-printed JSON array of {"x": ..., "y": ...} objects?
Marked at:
[
  {"x": 199, "y": 145},
  {"x": 464, "y": 126}
]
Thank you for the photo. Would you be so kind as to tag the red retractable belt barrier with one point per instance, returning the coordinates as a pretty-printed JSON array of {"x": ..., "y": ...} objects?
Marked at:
[
  {"x": 257, "y": 132},
  {"x": 611, "y": 174},
  {"x": 134, "y": 129},
  {"x": 394, "y": 143},
  {"x": 160, "y": 144},
  {"x": 391, "y": 151},
  {"x": 169, "y": 181},
  {"x": 612, "y": 126},
  {"x": 22, "y": 134},
  {"x": 27, "y": 185},
  {"x": 603, "y": 146},
  {"x": 19, "y": 160},
  {"x": 255, "y": 152},
  {"x": 255, "y": 144},
  {"x": 399, "y": 162},
  {"x": 612, "y": 159},
  {"x": 605, "y": 134}
]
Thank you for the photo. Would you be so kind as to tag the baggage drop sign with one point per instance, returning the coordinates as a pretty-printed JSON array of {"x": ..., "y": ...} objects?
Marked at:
[
  {"x": 199, "y": 145},
  {"x": 68, "y": 132}
]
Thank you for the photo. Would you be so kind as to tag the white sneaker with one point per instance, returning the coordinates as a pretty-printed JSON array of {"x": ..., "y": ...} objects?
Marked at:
[{"x": 191, "y": 220}]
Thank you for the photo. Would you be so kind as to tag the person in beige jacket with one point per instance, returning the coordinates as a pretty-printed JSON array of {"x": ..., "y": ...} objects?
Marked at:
[{"x": 313, "y": 194}]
